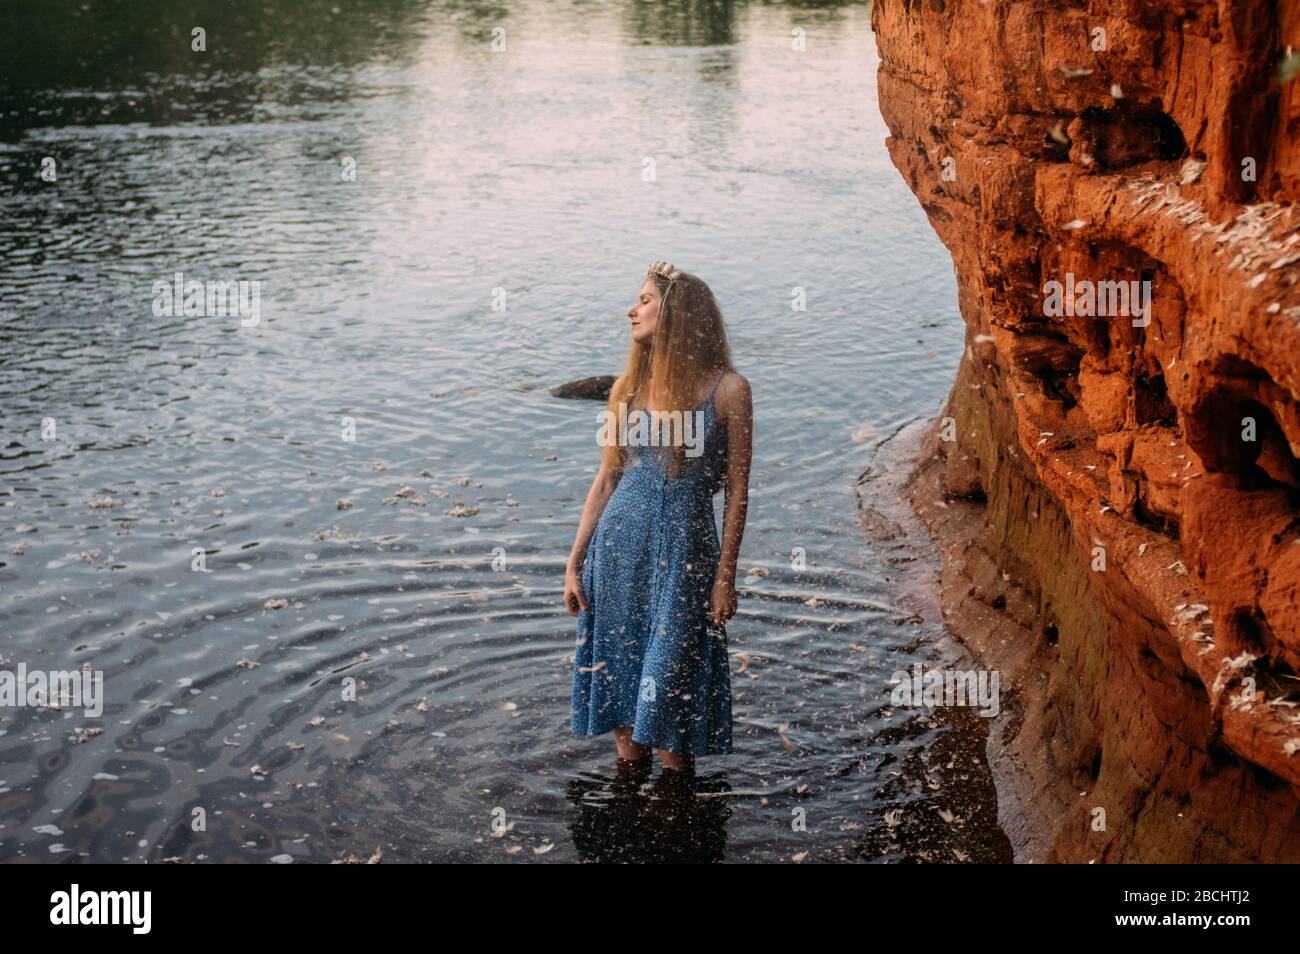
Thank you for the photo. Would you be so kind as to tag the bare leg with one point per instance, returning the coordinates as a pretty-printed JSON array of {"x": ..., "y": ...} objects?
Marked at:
[
  {"x": 627, "y": 749},
  {"x": 677, "y": 763}
]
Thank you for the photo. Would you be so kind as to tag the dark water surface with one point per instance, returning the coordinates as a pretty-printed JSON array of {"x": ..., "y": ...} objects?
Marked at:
[{"x": 475, "y": 170}]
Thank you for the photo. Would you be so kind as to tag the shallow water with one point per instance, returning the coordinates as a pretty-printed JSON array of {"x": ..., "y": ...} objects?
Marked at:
[{"x": 476, "y": 170}]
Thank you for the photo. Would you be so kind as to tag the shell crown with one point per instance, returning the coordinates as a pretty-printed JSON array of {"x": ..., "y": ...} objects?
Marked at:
[{"x": 665, "y": 270}]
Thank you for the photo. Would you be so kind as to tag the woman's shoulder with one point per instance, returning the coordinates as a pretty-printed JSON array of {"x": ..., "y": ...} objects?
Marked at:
[
  {"x": 733, "y": 394},
  {"x": 733, "y": 382}
]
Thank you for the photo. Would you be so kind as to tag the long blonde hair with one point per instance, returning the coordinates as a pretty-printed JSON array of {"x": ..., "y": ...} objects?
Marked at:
[{"x": 689, "y": 343}]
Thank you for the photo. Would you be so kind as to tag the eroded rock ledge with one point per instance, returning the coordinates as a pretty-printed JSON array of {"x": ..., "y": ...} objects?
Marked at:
[{"x": 1119, "y": 507}]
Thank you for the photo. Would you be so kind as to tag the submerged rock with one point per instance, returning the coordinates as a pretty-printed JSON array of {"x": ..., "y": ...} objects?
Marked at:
[{"x": 588, "y": 389}]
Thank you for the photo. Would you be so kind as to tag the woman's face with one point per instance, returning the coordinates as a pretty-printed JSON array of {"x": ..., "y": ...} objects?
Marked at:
[{"x": 645, "y": 313}]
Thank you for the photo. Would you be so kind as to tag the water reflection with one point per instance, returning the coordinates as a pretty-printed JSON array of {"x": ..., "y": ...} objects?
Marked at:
[
  {"x": 520, "y": 170},
  {"x": 639, "y": 818},
  {"x": 688, "y": 23}
]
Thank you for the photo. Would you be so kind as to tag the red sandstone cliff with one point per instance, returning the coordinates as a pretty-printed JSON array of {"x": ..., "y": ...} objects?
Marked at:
[{"x": 1119, "y": 505}]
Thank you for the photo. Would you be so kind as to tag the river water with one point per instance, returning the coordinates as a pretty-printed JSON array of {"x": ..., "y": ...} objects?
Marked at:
[{"x": 504, "y": 206}]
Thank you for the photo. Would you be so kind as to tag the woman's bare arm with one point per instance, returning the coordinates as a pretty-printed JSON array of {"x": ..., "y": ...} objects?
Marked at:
[
  {"x": 735, "y": 409},
  {"x": 602, "y": 488}
]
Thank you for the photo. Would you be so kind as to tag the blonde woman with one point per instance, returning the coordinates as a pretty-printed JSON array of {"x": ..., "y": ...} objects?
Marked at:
[{"x": 650, "y": 583}]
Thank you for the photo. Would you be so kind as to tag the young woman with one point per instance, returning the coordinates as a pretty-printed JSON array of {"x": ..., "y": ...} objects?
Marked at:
[{"x": 650, "y": 584}]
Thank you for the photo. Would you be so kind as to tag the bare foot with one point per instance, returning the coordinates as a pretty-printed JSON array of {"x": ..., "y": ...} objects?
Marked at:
[
  {"x": 627, "y": 749},
  {"x": 677, "y": 763},
  {"x": 630, "y": 776}
]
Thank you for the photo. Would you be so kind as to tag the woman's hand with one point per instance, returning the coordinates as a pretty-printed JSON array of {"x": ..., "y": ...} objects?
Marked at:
[
  {"x": 574, "y": 601},
  {"x": 722, "y": 603}
]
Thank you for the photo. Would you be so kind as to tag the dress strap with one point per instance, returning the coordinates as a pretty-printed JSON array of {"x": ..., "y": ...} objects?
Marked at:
[{"x": 722, "y": 373}]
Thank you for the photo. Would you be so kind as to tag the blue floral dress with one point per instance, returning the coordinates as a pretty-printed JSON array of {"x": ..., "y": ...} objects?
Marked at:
[{"x": 647, "y": 654}]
